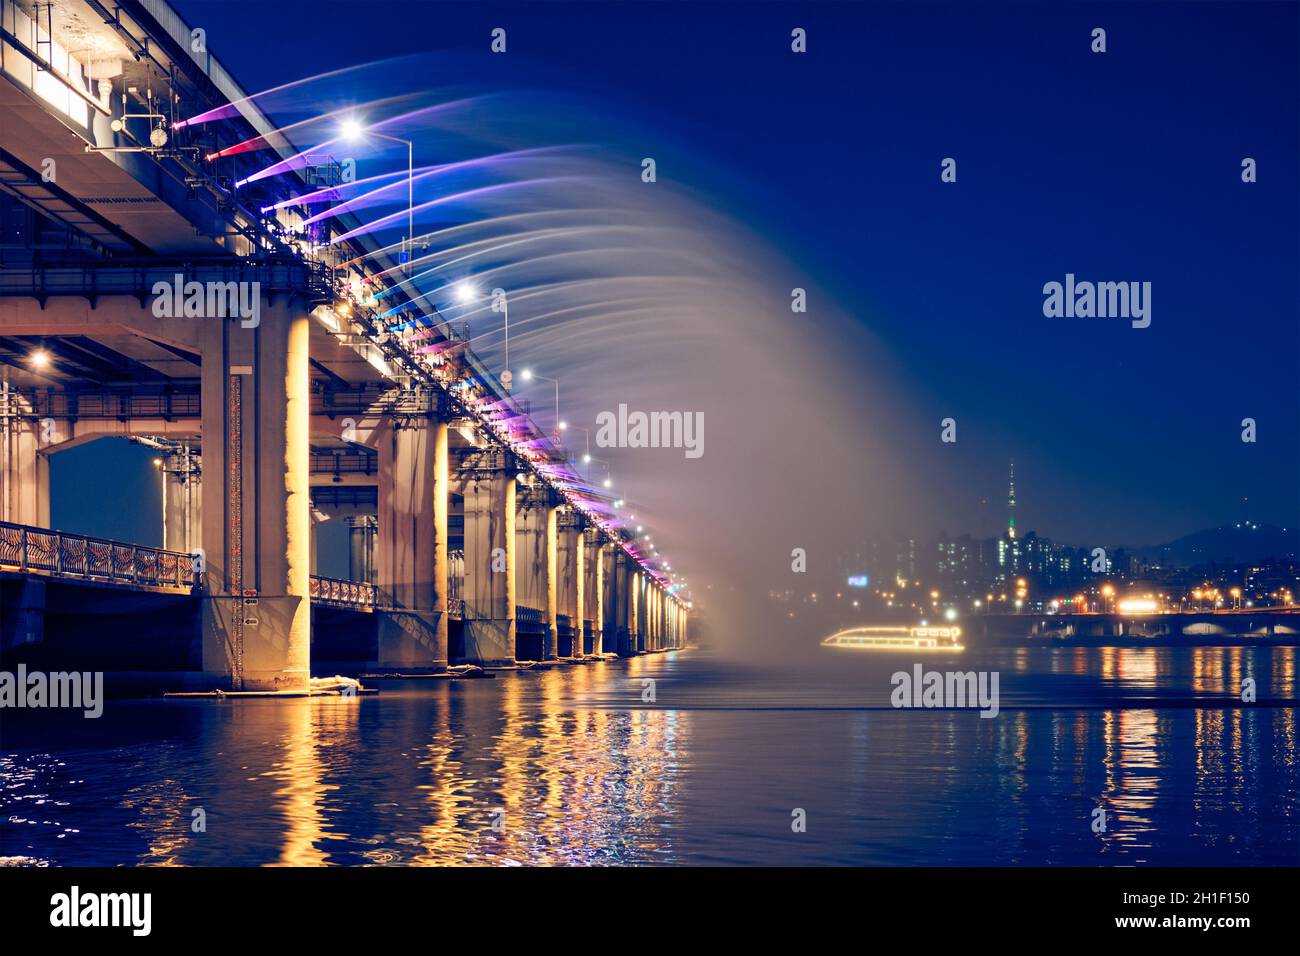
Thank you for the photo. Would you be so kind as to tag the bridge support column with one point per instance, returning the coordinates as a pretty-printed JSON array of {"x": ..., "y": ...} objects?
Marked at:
[
  {"x": 656, "y": 611},
  {"x": 24, "y": 471},
  {"x": 644, "y": 616},
  {"x": 623, "y": 605},
  {"x": 648, "y": 642},
  {"x": 634, "y": 603},
  {"x": 486, "y": 482},
  {"x": 361, "y": 548},
  {"x": 614, "y": 620},
  {"x": 593, "y": 590},
  {"x": 660, "y": 629},
  {"x": 571, "y": 573},
  {"x": 412, "y": 533},
  {"x": 257, "y": 519},
  {"x": 535, "y": 568},
  {"x": 182, "y": 494}
]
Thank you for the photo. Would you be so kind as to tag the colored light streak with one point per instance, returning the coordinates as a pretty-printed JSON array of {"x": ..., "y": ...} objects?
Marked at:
[
  {"x": 463, "y": 196},
  {"x": 305, "y": 157}
]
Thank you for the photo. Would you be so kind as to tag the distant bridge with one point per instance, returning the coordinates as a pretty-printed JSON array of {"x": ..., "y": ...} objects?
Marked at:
[{"x": 1240, "y": 622}]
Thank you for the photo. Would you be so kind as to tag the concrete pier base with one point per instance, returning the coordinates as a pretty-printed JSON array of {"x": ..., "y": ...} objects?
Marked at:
[{"x": 22, "y": 612}]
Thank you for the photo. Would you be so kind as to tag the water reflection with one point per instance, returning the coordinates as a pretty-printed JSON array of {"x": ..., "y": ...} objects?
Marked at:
[{"x": 573, "y": 766}]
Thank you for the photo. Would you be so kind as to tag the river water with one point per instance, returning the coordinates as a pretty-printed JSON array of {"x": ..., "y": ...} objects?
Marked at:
[{"x": 578, "y": 765}]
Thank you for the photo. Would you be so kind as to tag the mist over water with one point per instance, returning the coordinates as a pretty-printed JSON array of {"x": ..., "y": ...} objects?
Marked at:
[{"x": 658, "y": 296}]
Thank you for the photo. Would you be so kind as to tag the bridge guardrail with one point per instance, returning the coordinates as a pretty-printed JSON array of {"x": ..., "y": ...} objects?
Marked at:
[
  {"x": 344, "y": 593},
  {"x": 59, "y": 554}
]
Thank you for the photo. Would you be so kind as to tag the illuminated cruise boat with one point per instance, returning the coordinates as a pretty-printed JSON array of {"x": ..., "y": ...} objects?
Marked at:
[{"x": 937, "y": 639}]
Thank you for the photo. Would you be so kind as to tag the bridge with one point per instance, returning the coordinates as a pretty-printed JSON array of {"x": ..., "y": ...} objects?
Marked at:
[
  {"x": 144, "y": 295},
  {"x": 1257, "y": 622}
]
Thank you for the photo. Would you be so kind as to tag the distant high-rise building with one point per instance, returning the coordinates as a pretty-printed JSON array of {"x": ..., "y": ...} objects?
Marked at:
[{"x": 1011, "y": 503}]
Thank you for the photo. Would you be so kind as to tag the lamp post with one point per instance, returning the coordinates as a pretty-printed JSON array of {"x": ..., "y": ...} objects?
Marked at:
[
  {"x": 609, "y": 481},
  {"x": 586, "y": 456},
  {"x": 465, "y": 294},
  {"x": 528, "y": 375},
  {"x": 354, "y": 131}
]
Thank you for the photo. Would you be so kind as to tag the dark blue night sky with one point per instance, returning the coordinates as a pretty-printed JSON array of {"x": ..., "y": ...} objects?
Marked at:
[{"x": 1122, "y": 166}]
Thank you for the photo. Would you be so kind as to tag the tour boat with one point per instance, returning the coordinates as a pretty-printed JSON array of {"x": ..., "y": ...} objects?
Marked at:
[{"x": 939, "y": 639}]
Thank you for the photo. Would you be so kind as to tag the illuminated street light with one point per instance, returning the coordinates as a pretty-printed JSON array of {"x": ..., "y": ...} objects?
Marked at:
[
  {"x": 354, "y": 131},
  {"x": 528, "y": 375}
]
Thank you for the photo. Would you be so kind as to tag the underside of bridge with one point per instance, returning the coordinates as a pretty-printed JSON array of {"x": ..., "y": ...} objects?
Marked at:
[{"x": 142, "y": 297}]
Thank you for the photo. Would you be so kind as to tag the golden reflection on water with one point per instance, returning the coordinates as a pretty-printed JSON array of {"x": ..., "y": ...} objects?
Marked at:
[
  {"x": 572, "y": 766},
  {"x": 539, "y": 770},
  {"x": 310, "y": 728}
]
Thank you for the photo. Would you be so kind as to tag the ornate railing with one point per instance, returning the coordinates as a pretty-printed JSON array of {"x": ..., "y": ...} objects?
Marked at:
[
  {"x": 59, "y": 554},
  {"x": 343, "y": 593}
]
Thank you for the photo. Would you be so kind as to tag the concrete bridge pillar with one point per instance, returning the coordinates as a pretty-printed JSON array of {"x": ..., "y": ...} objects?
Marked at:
[
  {"x": 411, "y": 562},
  {"x": 618, "y": 602},
  {"x": 257, "y": 525},
  {"x": 657, "y": 632},
  {"x": 535, "y": 568},
  {"x": 593, "y": 590},
  {"x": 609, "y": 599},
  {"x": 486, "y": 482},
  {"x": 571, "y": 578},
  {"x": 661, "y": 618},
  {"x": 361, "y": 548},
  {"x": 182, "y": 497},
  {"x": 651, "y": 600},
  {"x": 24, "y": 471},
  {"x": 636, "y": 609}
]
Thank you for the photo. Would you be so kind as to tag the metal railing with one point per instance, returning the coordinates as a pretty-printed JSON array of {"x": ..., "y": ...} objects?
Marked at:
[
  {"x": 59, "y": 554},
  {"x": 343, "y": 593}
]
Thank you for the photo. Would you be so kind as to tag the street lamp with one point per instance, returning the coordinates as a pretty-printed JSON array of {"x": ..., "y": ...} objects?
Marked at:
[
  {"x": 609, "y": 481},
  {"x": 528, "y": 375},
  {"x": 465, "y": 294},
  {"x": 353, "y": 132}
]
